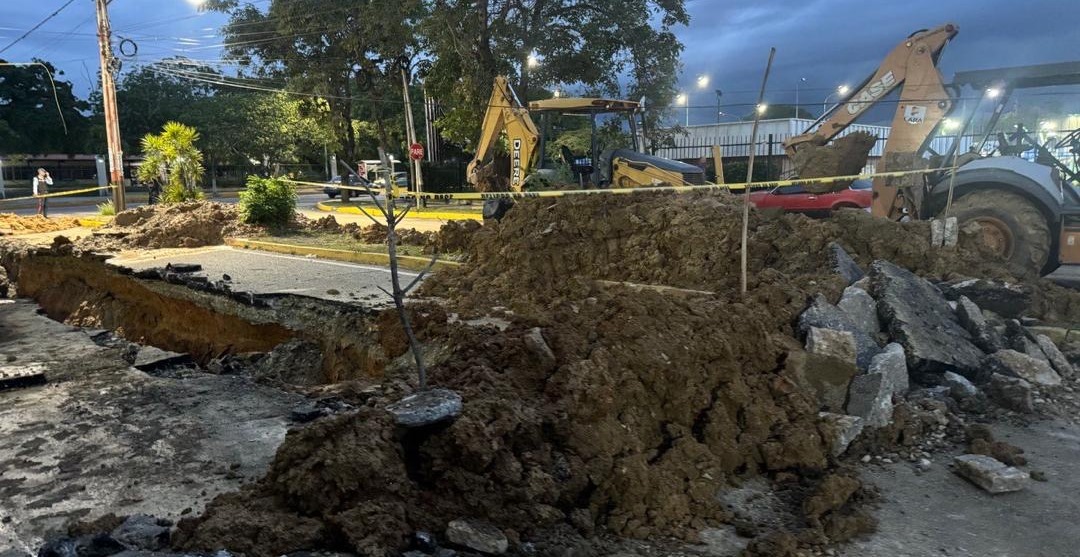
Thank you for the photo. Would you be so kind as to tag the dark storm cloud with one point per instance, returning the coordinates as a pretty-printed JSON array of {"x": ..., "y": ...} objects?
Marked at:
[{"x": 830, "y": 42}]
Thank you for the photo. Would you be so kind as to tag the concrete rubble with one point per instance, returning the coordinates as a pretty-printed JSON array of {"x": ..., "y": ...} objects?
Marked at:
[
  {"x": 916, "y": 315},
  {"x": 825, "y": 315},
  {"x": 1013, "y": 363},
  {"x": 1007, "y": 300},
  {"x": 989, "y": 474},
  {"x": 844, "y": 265},
  {"x": 841, "y": 430},
  {"x": 985, "y": 336},
  {"x": 870, "y": 398},
  {"x": 831, "y": 343},
  {"x": 427, "y": 407},
  {"x": 861, "y": 308}
]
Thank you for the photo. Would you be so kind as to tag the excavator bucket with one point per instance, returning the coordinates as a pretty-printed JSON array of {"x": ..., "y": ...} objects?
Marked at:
[{"x": 845, "y": 156}]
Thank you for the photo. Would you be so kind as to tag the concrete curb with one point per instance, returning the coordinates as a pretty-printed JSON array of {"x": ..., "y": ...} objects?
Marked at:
[
  {"x": 425, "y": 214},
  {"x": 363, "y": 257}
]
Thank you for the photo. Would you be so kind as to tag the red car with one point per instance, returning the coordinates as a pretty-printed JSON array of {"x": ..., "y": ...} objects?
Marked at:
[{"x": 794, "y": 199}]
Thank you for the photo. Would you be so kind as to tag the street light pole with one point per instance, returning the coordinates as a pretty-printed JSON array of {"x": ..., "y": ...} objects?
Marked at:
[
  {"x": 801, "y": 80},
  {"x": 719, "y": 112},
  {"x": 108, "y": 95}
]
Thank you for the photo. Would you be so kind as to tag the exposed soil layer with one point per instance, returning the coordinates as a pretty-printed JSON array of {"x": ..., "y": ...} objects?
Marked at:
[
  {"x": 178, "y": 225},
  {"x": 19, "y": 224},
  {"x": 622, "y": 407}
]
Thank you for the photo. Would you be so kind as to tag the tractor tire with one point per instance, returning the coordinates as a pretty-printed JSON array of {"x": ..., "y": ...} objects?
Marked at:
[{"x": 1010, "y": 225}]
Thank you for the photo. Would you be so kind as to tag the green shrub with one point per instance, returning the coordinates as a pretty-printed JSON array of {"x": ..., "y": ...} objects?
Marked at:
[
  {"x": 267, "y": 201},
  {"x": 177, "y": 193},
  {"x": 106, "y": 209}
]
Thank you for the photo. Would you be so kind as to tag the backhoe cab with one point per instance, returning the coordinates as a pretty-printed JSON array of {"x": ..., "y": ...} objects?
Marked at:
[{"x": 527, "y": 142}]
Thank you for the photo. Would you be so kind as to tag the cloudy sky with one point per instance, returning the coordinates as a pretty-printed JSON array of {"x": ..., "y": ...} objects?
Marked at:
[{"x": 827, "y": 42}]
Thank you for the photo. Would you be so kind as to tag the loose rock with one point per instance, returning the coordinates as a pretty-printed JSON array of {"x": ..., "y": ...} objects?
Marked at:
[
  {"x": 1057, "y": 359},
  {"x": 861, "y": 308},
  {"x": 840, "y": 430},
  {"x": 832, "y": 343},
  {"x": 870, "y": 398},
  {"x": 959, "y": 387},
  {"x": 893, "y": 366},
  {"x": 1011, "y": 362},
  {"x": 989, "y": 474},
  {"x": 143, "y": 532},
  {"x": 972, "y": 319},
  {"x": 844, "y": 264},
  {"x": 827, "y": 377},
  {"x": 824, "y": 315},
  {"x": 477, "y": 535},
  {"x": 1012, "y": 393},
  {"x": 150, "y": 358}
]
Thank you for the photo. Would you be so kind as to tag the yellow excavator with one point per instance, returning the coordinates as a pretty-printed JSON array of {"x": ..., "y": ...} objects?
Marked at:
[
  {"x": 1027, "y": 207},
  {"x": 620, "y": 168}
]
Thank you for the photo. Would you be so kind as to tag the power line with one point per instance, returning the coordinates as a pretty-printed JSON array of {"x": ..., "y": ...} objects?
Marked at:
[{"x": 34, "y": 28}]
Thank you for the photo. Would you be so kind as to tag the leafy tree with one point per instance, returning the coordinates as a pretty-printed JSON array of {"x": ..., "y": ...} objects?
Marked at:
[
  {"x": 172, "y": 158},
  {"x": 594, "y": 44},
  {"x": 348, "y": 53},
  {"x": 29, "y": 121}
]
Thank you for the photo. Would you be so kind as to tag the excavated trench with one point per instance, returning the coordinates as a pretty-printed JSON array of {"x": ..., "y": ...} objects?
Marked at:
[{"x": 313, "y": 341}]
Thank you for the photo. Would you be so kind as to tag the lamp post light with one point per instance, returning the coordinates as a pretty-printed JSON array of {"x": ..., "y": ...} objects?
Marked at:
[
  {"x": 719, "y": 113},
  {"x": 841, "y": 91},
  {"x": 800, "y": 81}
]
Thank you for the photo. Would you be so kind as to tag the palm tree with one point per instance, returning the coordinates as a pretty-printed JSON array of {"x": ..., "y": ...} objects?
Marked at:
[{"x": 172, "y": 158}]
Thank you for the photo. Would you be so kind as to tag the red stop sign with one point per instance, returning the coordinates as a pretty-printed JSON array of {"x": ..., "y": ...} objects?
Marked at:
[{"x": 416, "y": 151}]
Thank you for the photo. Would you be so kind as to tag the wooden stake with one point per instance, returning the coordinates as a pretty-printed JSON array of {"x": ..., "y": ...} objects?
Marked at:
[{"x": 750, "y": 165}]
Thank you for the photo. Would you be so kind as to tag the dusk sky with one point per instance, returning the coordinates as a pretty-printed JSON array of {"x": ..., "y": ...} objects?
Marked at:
[{"x": 828, "y": 42}]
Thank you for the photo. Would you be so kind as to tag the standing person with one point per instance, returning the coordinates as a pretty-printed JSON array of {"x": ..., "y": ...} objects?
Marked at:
[{"x": 41, "y": 187}]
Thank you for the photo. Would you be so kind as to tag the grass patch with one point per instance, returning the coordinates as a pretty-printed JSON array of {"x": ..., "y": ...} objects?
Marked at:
[{"x": 333, "y": 240}]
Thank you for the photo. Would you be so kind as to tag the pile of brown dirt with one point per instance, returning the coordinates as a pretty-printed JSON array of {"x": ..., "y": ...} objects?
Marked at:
[
  {"x": 605, "y": 405},
  {"x": 179, "y": 225},
  {"x": 845, "y": 156},
  {"x": 454, "y": 237},
  {"x": 15, "y": 224}
]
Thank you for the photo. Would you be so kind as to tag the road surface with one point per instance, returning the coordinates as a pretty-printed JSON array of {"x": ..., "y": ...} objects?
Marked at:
[{"x": 271, "y": 273}]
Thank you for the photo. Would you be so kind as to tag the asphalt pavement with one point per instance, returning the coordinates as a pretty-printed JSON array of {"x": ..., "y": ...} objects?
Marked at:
[{"x": 270, "y": 273}]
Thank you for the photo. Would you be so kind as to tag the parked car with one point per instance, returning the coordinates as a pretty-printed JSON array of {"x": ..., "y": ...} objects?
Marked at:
[
  {"x": 795, "y": 199},
  {"x": 400, "y": 178},
  {"x": 332, "y": 190}
]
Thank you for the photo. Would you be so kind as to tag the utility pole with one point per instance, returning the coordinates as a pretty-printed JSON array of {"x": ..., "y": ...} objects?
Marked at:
[
  {"x": 108, "y": 95},
  {"x": 410, "y": 132}
]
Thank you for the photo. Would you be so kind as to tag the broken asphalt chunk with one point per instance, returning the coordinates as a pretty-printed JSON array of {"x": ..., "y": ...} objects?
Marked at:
[
  {"x": 1015, "y": 364},
  {"x": 844, "y": 264},
  {"x": 477, "y": 535},
  {"x": 150, "y": 358},
  {"x": 425, "y": 408}
]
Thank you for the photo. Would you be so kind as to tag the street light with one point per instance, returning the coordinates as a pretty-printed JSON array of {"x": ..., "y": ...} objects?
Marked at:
[
  {"x": 993, "y": 93},
  {"x": 702, "y": 81},
  {"x": 684, "y": 100},
  {"x": 842, "y": 91},
  {"x": 761, "y": 108}
]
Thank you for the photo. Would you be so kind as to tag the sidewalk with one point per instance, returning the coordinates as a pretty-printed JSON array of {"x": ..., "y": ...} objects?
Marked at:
[{"x": 437, "y": 212}]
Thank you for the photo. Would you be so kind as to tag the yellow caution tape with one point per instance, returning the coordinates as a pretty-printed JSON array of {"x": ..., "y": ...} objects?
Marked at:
[
  {"x": 58, "y": 194},
  {"x": 480, "y": 196}
]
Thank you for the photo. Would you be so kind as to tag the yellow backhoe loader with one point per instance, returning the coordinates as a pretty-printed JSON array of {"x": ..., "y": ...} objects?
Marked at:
[{"x": 620, "y": 168}]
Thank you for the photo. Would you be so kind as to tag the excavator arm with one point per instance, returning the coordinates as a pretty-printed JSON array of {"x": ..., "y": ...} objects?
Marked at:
[
  {"x": 924, "y": 103},
  {"x": 505, "y": 113}
]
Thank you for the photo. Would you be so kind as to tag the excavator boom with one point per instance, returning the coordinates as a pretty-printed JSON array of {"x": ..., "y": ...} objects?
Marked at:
[
  {"x": 924, "y": 103},
  {"x": 505, "y": 113}
]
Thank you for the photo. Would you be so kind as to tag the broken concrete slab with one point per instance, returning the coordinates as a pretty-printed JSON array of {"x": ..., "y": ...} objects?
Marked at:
[
  {"x": 990, "y": 474},
  {"x": 839, "y": 430},
  {"x": 915, "y": 314},
  {"x": 825, "y": 315},
  {"x": 1011, "y": 393},
  {"x": 892, "y": 364},
  {"x": 825, "y": 376},
  {"x": 829, "y": 342},
  {"x": 860, "y": 306},
  {"x": 870, "y": 398},
  {"x": 844, "y": 264},
  {"x": 477, "y": 535},
  {"x": 972, "y": 319},
  {"x": 1058, "y": 360},
  {"x": 426, "y": 407},
  {"x": 959, "y": 386},
  {"x": 22, "y": 375},
  {"x": 1012, "y": 363},
  {"x": 150, "y": 358},
  {"x": 1003, "y": 298}
]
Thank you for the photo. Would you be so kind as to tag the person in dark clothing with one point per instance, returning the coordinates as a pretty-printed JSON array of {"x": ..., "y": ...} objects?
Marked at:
[{"x": 41, "y": 187}]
